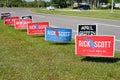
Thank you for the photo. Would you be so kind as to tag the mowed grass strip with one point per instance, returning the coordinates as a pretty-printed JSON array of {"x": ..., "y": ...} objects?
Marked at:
[
  {"x": 30, "y": 57},
  {"x": 105, "y": 13}
]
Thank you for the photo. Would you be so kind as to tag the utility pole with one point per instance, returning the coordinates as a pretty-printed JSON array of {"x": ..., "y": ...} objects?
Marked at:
[
  {"x": 112, "y": 7},
  {"x": 7, "y": 3},
  {"x": 38, "y": 3}
]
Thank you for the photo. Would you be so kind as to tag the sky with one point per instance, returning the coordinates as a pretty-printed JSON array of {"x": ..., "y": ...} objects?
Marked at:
[{"x": 33, "y": 0}]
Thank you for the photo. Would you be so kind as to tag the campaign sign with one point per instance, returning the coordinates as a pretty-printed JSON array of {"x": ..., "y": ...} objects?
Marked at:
[
  {"x": 58, "y": 34},
  {"x": 22, "y": 23},
  {"x": 100, "y": 46},
  {"x": 3, "y": 15},
  {"x": 37, "y": 27},
  {"x": 10, "y": 20},
  {"x": 86, "y": 29},
  {"x": 26, "y": 17}
]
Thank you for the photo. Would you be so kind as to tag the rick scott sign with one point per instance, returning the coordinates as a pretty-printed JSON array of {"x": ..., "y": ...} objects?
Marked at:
[
  {"x": 10, "y": 20},
  {"x": 22, "y": 23},
  {"x": 58, "y": 34},
  {"x": 100, "y": 46},
  {"x": 37, "y": 27}
]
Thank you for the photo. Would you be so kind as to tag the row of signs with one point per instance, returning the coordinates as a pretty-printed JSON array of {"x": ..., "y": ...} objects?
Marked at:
[
  {"x": 27, "y": 22},
  {"x": 87, "y": 40},
  {"x": 3, "y": 15},
  {"x": 51, "y": 34}
]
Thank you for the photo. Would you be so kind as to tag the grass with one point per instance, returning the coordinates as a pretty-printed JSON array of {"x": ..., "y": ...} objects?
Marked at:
[
  {"x": 25, "y": 57},
  {"x": 106, "y": 14}
]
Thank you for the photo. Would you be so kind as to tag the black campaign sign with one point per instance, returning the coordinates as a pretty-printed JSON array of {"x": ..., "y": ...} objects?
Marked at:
[
  {"x": 86, "y": 29},
  {"x": 3, "y": 15},
  {"x": 26, "y": 17}
]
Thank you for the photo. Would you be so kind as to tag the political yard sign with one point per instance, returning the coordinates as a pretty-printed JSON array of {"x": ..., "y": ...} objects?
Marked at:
[
  {"x": 87, "y": 29},
  {"x": 99, "y": 46},
  {"x": 37, "y": 27},
  {"x": 58, "y": 34},
  {"x": 10, "y": 20},
  {"x": 3, "y": 15},
  {"x": 22, "y": 23},
  {"x": 26, "y": 17}
]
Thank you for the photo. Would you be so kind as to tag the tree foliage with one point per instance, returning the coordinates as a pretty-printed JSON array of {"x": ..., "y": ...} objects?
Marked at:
[
  {"x": 56, "y": 3},
  {"x": 15, "y": 3}
]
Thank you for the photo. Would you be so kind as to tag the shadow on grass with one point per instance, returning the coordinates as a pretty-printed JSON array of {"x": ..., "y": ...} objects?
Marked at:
[
  {"x": 57, "y": 43},
  {"x": 101, "y": 59},
  {"x": 23, "y": 30},
  {"x": 37, "y": 36},
  {"x": 10, "y": 26}
]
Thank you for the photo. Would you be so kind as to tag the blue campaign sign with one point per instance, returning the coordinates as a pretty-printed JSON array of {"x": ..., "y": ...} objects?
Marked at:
[{"x": 58, "y": 34}]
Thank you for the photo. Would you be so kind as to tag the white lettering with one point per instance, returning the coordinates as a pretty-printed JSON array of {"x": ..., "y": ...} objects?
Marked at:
[
  {"x": 59, "y": 33},
  {"x": 84, "y": 43},
  {"x": 51, "y": 32},
  {"x": 102, "y": 44},
  {"x": 39, "y": 27},
  {"x": 86, "y": 28},
  {"x": 97, "y": 44},
  {"x": 64, "y": 33},
  {"x": 87, "y": 33}
]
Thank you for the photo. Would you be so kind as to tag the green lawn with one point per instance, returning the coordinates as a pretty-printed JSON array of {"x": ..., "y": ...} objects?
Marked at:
[
  {"x": 26, "y": 57},
  {"x": 105, "y": 13}
]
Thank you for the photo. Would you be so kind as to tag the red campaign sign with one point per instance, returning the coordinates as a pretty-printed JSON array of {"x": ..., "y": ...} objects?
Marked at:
[
  {"x": 37, "y": 27},
  {"x": 100, "y": 46},
  {"x": 22, "y": 23},
  {"x": 10, "y": 20}
]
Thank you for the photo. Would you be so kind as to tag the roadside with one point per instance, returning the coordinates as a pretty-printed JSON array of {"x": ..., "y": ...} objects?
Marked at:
[{"x": 105, "y": 14}]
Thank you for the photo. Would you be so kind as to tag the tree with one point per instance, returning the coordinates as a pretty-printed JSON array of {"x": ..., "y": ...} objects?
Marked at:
[
  {"x": 60, "y": 3},
  {"x": 68, "y": 2},
  {"x": 117, "y": 1},
  {"x": 55, "y": 1},
  {"x": 15, "y": 3}
]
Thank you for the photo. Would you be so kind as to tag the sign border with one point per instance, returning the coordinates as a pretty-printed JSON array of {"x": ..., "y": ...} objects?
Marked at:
[
  {"x": 13, "y": 21},
  {"x": 38, "y": 34},
  {"x": 94, "y": 55},
  {"x": 58, "y": 41},
  {"x": 21, "y": 28}
]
